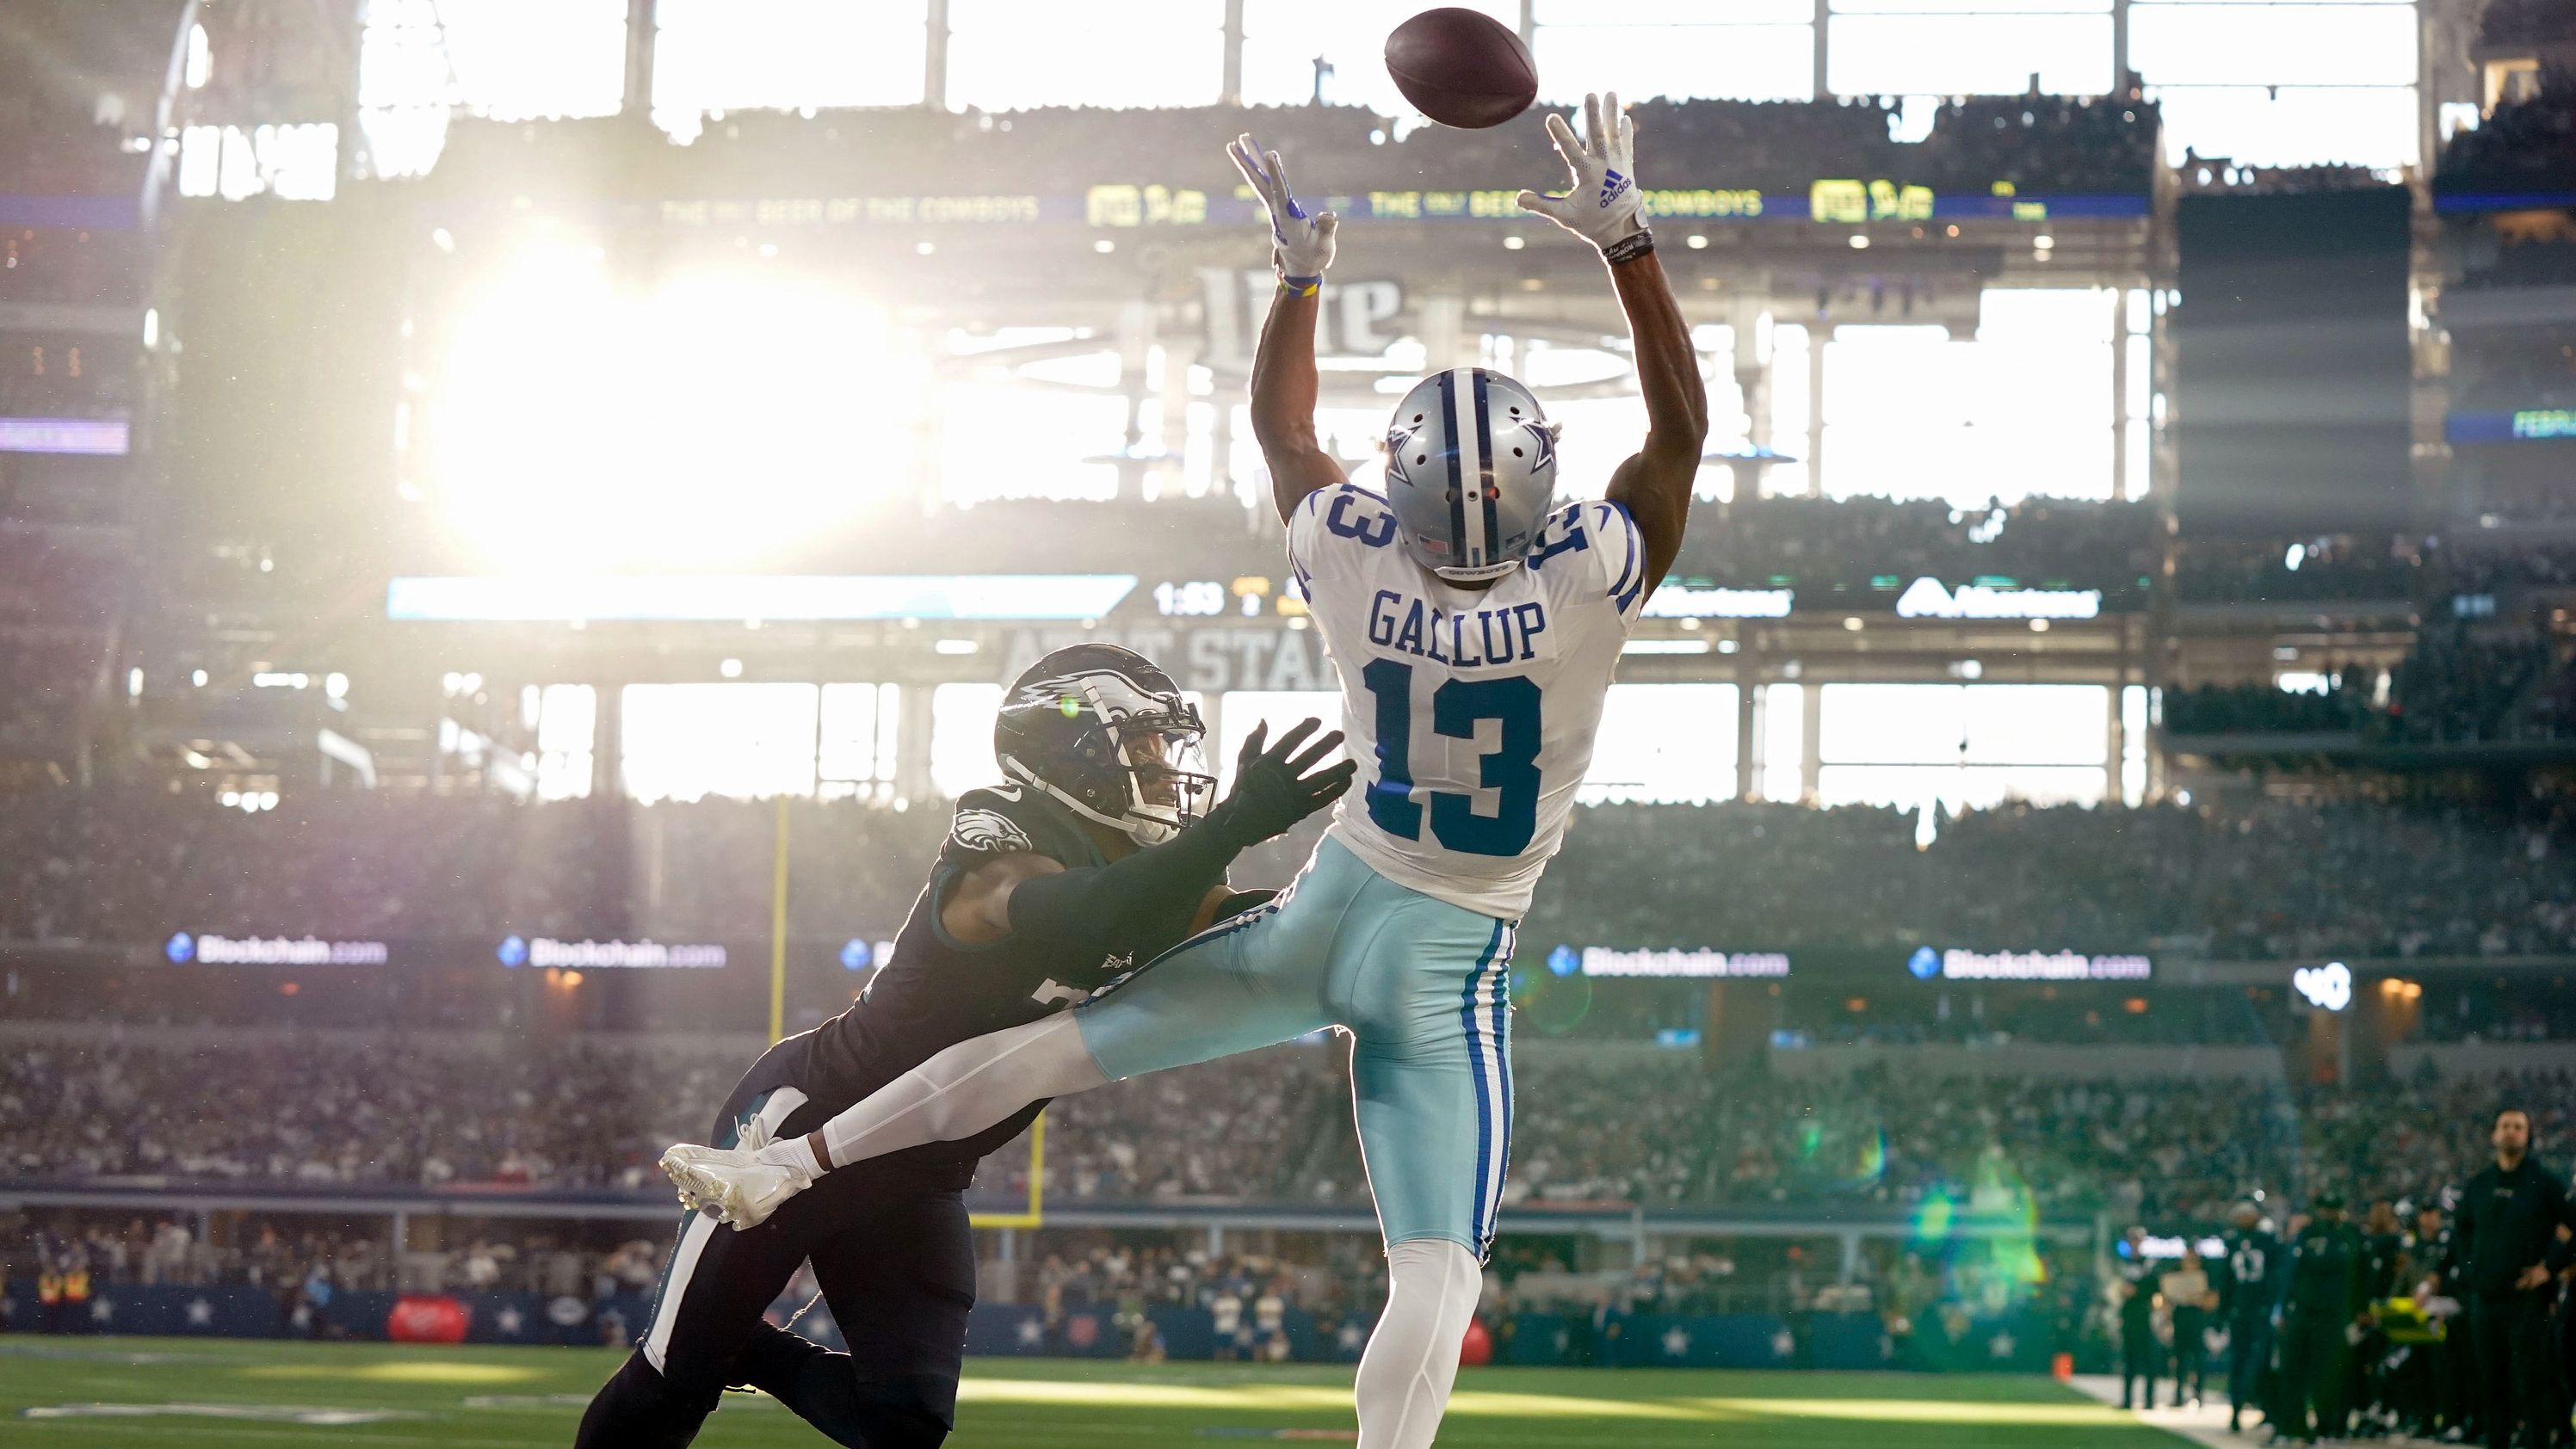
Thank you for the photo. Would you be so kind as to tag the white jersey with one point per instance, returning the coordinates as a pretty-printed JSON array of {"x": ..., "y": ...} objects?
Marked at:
[{"x": 1472, "y": 714}]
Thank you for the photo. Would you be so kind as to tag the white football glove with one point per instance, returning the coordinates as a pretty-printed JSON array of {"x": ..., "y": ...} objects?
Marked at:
[
  {"x": 1604, "y": 206},
  {"x": 1302, "y": 245}
]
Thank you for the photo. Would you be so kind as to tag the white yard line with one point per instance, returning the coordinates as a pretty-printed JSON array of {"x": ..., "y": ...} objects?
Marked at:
[{"x": 2207, "y": 1425}]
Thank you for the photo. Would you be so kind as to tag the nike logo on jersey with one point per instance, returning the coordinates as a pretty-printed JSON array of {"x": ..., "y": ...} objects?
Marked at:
[{"x": 1468, "y": 639}]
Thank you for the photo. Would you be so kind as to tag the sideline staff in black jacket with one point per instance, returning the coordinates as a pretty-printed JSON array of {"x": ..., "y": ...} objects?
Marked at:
[{"x": 2504, "y": 1249}]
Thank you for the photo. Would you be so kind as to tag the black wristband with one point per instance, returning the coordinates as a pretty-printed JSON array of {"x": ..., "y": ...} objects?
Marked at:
[{"x": 1629, "y": 248}]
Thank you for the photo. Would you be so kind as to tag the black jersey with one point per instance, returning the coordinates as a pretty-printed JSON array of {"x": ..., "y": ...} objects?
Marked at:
[
  {"x": 934, "y": 991},
  {"x": 2326, "y": 1272},
  {"x": 2250, "y": 1288},
  {"x": 2380, "y": 1253}
]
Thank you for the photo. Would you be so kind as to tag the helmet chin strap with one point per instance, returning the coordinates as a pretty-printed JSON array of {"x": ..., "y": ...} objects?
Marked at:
[
  {"x": 1142, "y": 829},
  {"x": 1478, "y": 575}
]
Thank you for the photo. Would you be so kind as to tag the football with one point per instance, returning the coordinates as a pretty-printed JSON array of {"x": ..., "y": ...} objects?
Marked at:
[{"x": 1462, "y": 67}]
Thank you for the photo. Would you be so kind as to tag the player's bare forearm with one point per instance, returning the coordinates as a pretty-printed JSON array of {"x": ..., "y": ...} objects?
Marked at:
[
  {"x": 1284, "y": 388},
  {"x": 1654, "y": 485}
]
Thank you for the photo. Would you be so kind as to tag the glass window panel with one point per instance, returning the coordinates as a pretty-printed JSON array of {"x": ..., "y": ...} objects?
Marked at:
[
  {"x": 1971, "y": 7},
  {"x": 2323, "y": 126},
  {"x": 1969, "y": 54},
  {"x": 1282, "y": 709},
  {"x": 2140, "y": 460},
  {"x": 2057, "y": 461},
  {"x": 524, "y": 59},
  {"x": 2026, "y": 408},
  {"x": 713, "y": 55},
  {"x": 1008, "y": 55},
  {"x": 2273, "y": 45},
  {"x": 1664, "y": 744},
  {"x": 2133, "y": 744},
  {"x": 1891, "y": 723},
  {"x": 1975, "y": 788},
  {"x": 2020, "y": 383},
  {"x": 1901, "y": 463},
  {"x": 1882, "y": 372},
  {"x": 567, "y": 717},
  {"x": 1042, "y": 453},
  {"x": 2037, "y": 724},
  {"x": 848, "y": 740},
  {"x": 1744, "y": 62},
  {"x": 1600, "y": 434},
  {"x": 512, "y": 59},
  {"x": 1790, "y": 408},
  {"x": 689, "y": 741},
  {"x": 961, "y": 737},
  {"x": 1784, "y": 721},
  {"x": 857, "y": 747},
  {"x": 1676, "y": 13},
  {"x": 2056, "y": 315},
  {"x": 1282, "y": 38},
  {"x": 565, "y": 776}
]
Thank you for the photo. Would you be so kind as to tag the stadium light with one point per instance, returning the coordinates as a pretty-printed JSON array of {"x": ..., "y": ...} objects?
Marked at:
[{"x": 705, "y": 423}]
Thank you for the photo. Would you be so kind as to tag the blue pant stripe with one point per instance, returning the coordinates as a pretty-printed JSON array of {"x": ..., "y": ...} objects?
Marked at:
[
  {"x": 1503, "y": 1061},
  {"x": 1481, "y": 1228}
]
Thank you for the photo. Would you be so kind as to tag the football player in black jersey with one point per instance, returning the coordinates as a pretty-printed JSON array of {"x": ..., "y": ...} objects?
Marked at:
[
  {"x": 2249, "y": 1294},
  {"x": 1100, "y": 852}
]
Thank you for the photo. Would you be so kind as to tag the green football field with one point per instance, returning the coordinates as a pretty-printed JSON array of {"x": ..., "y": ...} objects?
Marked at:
[{"x": 108, "y": 1393}]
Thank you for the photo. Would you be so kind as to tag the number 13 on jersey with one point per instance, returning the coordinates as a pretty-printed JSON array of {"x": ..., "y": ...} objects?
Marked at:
[{"x": 1510, "y": 768}]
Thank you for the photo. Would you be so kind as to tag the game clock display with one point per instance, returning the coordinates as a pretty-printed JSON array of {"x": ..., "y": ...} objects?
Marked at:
[{"x": 1249, "y": 597}]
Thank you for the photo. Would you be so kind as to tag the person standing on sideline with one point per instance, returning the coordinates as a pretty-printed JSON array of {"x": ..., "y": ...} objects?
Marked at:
[
  {"x": 2438, "y": 1398},
  {"x": 2505, "y": 1249},
  {"x": 2135, "y": 1289},
  {"x": 2249, "y": 1292},
  {"x": 2325, "y": 1302},
  {"x": 2188, "y": 1299}
]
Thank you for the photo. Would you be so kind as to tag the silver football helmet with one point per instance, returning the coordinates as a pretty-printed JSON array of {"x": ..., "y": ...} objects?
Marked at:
[{"x": 1470, "y": 470}]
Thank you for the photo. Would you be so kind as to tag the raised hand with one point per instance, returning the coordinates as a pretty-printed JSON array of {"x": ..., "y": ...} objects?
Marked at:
[
  {"x": 1273, "y": 788},
  {"x": 1301, "y": 245},
  {"x": 1602, "y": 204}
]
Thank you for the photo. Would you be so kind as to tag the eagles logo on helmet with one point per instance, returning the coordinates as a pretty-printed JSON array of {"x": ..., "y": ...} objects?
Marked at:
[{"x": 1109, "y": 735}]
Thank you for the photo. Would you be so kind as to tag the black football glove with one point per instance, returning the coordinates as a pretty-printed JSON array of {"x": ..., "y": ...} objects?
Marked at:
[{"x": 1272, "y": 789}]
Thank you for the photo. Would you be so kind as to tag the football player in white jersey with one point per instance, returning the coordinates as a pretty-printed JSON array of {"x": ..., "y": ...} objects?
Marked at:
[{"x": 1475, "y": 627}]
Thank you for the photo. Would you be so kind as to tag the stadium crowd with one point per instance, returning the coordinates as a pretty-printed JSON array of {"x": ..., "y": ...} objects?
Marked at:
[
  {"x": 2278, "y": 879},
  {"x": 1591, "y": 1126},
  {"x": 2260, "y": 881},
  {"x": 2524, "y": 145},
  {"x": 1853, "y": 545},
  {"x": 2457, "y": 686},
  {"x": 2040, "y": 145}
]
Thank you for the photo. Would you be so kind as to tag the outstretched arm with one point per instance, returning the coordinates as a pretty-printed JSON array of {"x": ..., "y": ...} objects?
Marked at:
[
  {"x": 1654, "y": 485},
  {"x": 1147, "y": 902},
  {"x": 977, "y": 1083},
  {"x": 1605, "y": 208},
  {"x": 1284, "y": 381}
]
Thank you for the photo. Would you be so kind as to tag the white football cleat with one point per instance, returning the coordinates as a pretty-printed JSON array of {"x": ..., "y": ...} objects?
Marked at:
[{"x": 732, "y": 1182}]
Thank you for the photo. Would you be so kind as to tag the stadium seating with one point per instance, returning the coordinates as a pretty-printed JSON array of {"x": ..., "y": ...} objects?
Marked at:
[{"x": 2356, "y": 878}]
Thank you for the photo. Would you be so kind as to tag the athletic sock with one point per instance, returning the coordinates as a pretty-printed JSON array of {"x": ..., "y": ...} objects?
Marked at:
[
  {"x": 952, "y": 1096},
  {"x": 1412, "y": 1359}
]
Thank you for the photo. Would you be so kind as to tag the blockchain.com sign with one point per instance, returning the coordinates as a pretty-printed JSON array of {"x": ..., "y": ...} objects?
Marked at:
[
  {"x": 547, "y": 953},
  {"x": 1701, "y": 963},
  {"x": 208, "y": 948},
  {"x": 1927, "y": 964}
]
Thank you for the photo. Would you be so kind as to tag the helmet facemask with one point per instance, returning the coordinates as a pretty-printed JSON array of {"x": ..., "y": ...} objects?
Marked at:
[
  {"x": 1169, "y": 784},
  {"x": 1110, "y": 737}
]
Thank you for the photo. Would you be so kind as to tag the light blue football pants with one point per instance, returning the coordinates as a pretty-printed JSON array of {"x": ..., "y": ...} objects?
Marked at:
[{"x": 1420, "y": 984}]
